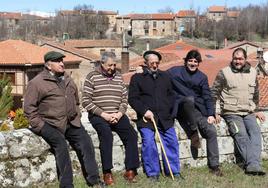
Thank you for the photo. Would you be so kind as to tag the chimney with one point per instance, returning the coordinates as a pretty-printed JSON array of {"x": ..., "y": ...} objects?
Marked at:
[
  {"x": 147, "y": 45},
  {"x": 225, "y": 42},
  {"x": 124, "y": 56},
  {"x": 124, "y": 62}
]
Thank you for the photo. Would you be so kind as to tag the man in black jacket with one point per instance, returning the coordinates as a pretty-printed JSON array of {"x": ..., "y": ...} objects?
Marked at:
[{"x": 151, "y": 96}]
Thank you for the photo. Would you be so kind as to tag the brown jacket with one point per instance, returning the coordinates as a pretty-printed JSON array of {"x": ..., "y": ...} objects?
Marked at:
[{"x": 45, "y": 101}]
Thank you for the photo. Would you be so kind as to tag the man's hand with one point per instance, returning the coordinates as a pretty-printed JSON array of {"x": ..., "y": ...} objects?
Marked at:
[
  {"x": 116, "y": 117},
  {"x": 260, "y": 116},
  {"x": 107, "y": 117},
  {"x": 149, "y": 115},
  {"x": 218, "y": 119},
  {"x": 211, "y": 120}
]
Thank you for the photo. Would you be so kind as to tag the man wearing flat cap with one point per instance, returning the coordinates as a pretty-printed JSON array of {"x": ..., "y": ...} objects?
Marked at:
[
  {"x": 52, "y": 107},
  {"x": 151, "y": 96}
]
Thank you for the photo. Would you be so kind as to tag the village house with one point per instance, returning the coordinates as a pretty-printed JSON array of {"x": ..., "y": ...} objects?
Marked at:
[
  {"x": 185, "y": 20},
  {"x": 21, "y": 61},
  {"x": 97, "y": 47},
  {"x": 111, "y": 17},
  {"x": 159, "y": 24},
  {"x": 218, "y": 13}
]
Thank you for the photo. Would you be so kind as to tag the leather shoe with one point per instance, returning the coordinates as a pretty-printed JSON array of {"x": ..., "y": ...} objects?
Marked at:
[
  {"x": 108, "y": 179},
  {"x": 254, "y": 171},
  {"x": 130, "y": 176}
]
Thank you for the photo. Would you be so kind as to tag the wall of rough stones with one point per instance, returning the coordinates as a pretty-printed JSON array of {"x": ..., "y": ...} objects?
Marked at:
[{"x": 25, "y": 158}]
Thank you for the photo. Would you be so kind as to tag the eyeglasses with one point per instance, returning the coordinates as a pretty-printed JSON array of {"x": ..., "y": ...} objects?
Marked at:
[{"x": 192, "y": 61}]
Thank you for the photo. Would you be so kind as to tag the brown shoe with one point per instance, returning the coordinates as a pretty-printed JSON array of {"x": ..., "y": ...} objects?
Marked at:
[
  {"x": 216, "y": 171},
  {"x": 108, "y": 179},
  {"x": 195, "y": 142},
  {"x": 130, "y": 176}
]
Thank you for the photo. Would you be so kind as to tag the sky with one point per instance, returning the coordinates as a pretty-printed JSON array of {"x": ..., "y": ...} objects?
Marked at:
[{"x": 123, "y": 6}]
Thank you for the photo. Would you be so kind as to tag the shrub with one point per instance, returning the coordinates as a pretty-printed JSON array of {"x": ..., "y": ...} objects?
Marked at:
[{"x": 20, "y": 121}]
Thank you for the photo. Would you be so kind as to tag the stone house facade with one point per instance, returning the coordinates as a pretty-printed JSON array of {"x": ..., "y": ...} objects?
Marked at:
[{"x": 185, "y": 20}]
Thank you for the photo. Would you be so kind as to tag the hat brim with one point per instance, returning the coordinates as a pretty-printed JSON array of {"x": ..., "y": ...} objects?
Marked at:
[
  {"x": 152, "y": 52},
  {"x": 57, "y": 57}
]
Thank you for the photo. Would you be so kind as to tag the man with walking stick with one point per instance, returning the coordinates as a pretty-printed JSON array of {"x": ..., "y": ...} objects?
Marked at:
[{"x": 151, "y": 96}]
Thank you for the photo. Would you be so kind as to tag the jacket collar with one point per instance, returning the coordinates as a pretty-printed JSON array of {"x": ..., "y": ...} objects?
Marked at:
[
  {"x": 244, "y": 69},
  {"x": 47, "y": 76}
]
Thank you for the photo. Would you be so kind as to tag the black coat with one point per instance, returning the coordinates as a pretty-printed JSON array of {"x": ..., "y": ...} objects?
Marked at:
[{"x": 147, "y": 93}]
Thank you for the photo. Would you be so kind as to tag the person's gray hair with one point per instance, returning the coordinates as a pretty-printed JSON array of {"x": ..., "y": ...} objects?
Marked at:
[
  {"x": 106, "y": 55},
  {"x": 146, "y": 58}
]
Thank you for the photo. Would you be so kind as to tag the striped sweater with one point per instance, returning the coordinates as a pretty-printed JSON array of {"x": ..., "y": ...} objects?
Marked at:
[{"x": 102, "y": 94}]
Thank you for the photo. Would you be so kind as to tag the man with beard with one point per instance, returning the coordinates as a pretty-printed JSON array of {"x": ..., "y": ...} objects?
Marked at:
[
  {"x": 194, "y": 107},
  {"x": 151, "y": 96},
  {"x": 105, "y": 99},
  {"x": 236, "y": 88},
  {"x": 51, "y": 104}
]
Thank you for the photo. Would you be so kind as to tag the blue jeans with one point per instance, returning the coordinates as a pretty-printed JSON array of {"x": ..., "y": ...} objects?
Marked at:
[
  {"x": 247, "y": 137},
  {"x": 150, "y": 156}
]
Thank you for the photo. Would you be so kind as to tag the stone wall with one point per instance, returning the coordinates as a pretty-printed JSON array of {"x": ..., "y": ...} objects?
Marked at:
[{"x": 25, "y": 158}]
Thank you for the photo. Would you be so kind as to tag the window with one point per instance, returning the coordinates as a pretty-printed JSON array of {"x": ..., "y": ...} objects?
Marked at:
[
  {"x": 146, "y": 31},
  {"x": 163, "y": 30},
  {"x": 163, "y": 22},
  {"x": 10, "y": 75},
  {"x": 154, "y": 24}
]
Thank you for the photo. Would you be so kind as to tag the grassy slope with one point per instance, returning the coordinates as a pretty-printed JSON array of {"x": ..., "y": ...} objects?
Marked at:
[{"x": 194, "y": 178}]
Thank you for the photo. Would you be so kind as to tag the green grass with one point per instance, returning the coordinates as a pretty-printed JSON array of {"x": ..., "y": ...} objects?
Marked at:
[{"x": 194, "y": 178}]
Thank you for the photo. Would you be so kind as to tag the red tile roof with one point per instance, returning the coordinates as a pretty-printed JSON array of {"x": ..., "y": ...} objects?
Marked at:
[
  {"x": 10, "y": 15},
  {"x": 217, "y": 9},
  {"x": 93, "y": 43},
  {"x": 186, "y": 13},
  {"x": 18, "y": 52},
  {"x": 263, "y": 83},
  {"x": 238, "y": 44},
  {"x": 213, "y": 62},
  {"x": 81, "y": 53}
]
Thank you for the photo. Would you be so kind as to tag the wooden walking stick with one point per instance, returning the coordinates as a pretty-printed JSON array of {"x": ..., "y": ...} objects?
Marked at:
[{"x": 162, "y": 146}]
